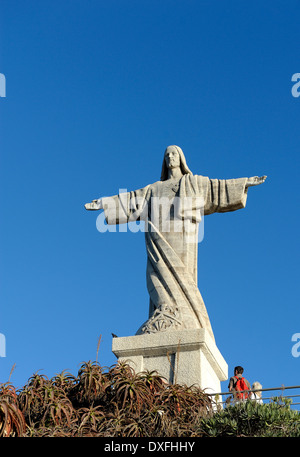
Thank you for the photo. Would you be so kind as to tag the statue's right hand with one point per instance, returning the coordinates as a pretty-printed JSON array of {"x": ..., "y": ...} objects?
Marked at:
[
  {"x": 94, "y": 205},
  {"x": 255, "y": 180}
]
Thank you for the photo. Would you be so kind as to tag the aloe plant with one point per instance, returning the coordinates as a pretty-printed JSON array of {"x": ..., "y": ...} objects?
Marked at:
[{"x": 12, "y": 421}]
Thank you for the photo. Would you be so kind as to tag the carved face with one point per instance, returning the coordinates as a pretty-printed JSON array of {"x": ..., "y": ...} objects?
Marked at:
[{"x": 172, "y": 157}]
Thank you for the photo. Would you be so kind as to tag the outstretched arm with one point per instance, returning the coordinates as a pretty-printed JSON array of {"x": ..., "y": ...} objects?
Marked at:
[
  {"x": 94, "y": 205},
  {"x": 124, "y": 207},
  {"x": 229, "y": 194},
  {"x": 255, "y": 181}
]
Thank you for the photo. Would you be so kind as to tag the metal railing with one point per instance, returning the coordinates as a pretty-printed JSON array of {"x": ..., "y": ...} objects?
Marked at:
[{"x": 282, "y": 389}]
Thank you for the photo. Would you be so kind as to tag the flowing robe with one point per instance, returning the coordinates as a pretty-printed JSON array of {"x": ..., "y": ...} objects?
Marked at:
[{"x": 172, "y": 210}]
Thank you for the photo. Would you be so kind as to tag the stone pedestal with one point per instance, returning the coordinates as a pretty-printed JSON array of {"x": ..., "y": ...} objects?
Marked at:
[{"x": 181, "y": 356}]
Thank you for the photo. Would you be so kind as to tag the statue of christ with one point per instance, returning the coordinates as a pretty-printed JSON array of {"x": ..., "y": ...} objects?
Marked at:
[{"x": 172, "y": 209}]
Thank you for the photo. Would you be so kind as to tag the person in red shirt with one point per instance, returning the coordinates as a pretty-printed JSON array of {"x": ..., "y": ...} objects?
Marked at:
[{"x": 238, "y": 383}]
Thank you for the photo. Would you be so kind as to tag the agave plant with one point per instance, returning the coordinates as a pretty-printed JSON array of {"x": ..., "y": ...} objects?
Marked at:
[
  {"x": 153, "y": 380},
  {"x": 52, "y": 431},
  {"x": 132, "y": 392},
  {"x": 185, "y": 401},
  {"x": 159, "y": 421},
  {"x": 58, "y": 411},
  {"x": 64, "y": 380},
  {"x": 30, "y": 402},
  {"x": 90, "y": 419},
  {"x": 45, "y": 403},
  {"x": 116, "y": 419},
  {"x": 31, "y": 398},
  {"x": 12, "y": 422},
  {"x": 137, "y": 426},
  {"x": 92, "y": 382},
  {"x": 120, "y": 370},
  {"x": 37, "y": 381}
]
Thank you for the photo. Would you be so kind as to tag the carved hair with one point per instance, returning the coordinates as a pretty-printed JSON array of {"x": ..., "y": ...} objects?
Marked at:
[
  {"x": 183, "y": 166},
  {"x": 257, "y": 385}
]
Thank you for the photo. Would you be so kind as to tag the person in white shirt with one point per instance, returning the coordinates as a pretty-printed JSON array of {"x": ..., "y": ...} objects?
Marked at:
[{"x": 256, "y": 395}]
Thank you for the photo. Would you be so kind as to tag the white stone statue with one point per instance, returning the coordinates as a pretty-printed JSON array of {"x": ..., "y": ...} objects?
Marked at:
[{"x": 172, "y": 209}]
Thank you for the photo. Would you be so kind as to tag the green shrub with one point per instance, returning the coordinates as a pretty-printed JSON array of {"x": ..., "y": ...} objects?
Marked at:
[{"x": 275, "y": 419}]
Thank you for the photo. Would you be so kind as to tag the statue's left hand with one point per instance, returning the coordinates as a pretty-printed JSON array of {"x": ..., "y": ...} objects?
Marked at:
[{"x": 255, "y": 181}]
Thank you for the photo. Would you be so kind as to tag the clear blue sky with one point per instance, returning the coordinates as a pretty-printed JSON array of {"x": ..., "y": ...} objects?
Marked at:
[{"x": 95, "y": 92}]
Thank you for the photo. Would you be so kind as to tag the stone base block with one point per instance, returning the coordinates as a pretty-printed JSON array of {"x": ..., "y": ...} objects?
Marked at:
[{"x": 182, "y": 357}]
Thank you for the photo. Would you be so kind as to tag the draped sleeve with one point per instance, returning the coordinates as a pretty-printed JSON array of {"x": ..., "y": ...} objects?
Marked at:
[
  {"x": 225, "y": 195},
  {"x": 127, "y": 207},
  {"x": 200, "y": 195}
]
